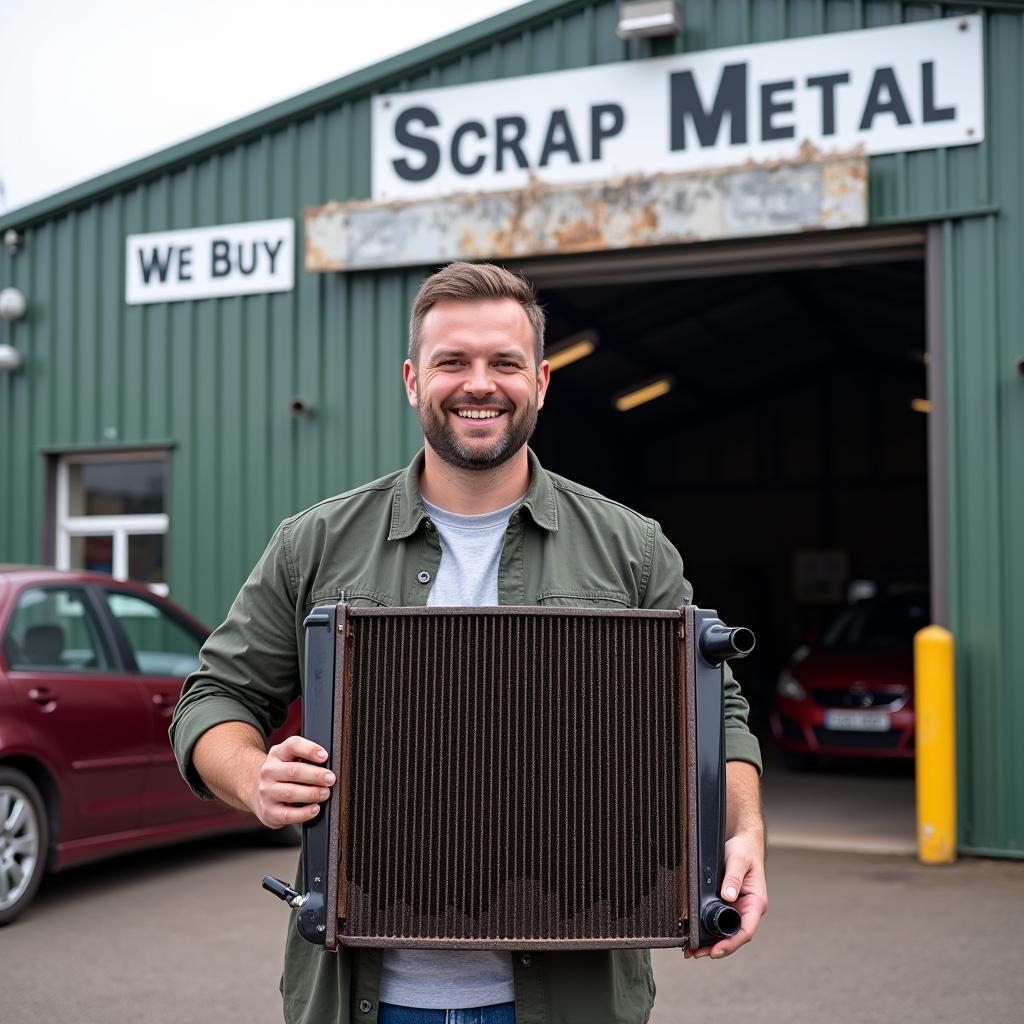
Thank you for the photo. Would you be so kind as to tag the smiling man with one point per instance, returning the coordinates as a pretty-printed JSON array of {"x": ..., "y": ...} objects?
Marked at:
[
  {"x": 481, "y": 422},
  {"x": 475, "y": 520}
]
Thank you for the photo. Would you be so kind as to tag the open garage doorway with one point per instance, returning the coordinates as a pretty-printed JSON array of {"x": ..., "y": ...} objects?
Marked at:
[{"x": 773, "y": 417}]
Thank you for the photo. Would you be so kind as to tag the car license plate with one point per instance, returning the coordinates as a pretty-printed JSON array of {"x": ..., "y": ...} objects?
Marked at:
[{"x": 858, "y": 721}]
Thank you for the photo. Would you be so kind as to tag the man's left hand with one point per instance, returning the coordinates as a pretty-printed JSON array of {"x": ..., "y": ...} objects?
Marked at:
[{"x": 743, "y": 882}]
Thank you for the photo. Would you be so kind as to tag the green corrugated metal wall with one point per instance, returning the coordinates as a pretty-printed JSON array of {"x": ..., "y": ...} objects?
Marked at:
[{"x": 214, "y": 377}]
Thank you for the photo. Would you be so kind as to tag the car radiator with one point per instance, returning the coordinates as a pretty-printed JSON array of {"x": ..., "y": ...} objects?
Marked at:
[{"x": 516, "y": 778}]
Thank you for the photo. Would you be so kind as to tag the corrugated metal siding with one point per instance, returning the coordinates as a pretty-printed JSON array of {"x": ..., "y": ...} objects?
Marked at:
[
  {"x": 214, "y": 377},
  {"x": 985, "y": 322}
]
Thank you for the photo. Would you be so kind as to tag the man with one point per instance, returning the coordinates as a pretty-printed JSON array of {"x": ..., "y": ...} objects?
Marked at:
[{"x": 475, "y": 520}]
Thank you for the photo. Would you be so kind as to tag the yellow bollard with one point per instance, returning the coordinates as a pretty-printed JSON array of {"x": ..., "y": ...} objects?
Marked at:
[{"x": 935, "y": 723}]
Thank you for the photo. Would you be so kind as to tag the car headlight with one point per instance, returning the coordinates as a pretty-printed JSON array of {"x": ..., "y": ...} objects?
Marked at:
[
  {"x": 788, "y": 687},
  {"x": 799, "y": 654}
]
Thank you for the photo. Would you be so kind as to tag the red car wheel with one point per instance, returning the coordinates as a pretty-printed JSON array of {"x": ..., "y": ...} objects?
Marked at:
[{"x": 24, "y": 835}]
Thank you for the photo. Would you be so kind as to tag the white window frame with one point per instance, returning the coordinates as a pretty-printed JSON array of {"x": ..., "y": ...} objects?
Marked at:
[{"x": 119, "y": 528}]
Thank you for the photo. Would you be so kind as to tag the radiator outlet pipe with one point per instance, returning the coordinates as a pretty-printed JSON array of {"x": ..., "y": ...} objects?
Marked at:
[
  {"x": 719, "y": 643},
  {"x": 720, "y": 919}
]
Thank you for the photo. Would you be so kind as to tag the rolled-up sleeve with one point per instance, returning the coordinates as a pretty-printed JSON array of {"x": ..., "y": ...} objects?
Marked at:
[
  {"x": 667, "y": 587},
  {"x": 249, "y": 666}
]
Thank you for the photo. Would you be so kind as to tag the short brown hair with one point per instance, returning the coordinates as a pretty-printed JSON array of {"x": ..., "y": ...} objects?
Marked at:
[{"x": 467, "y": 282}]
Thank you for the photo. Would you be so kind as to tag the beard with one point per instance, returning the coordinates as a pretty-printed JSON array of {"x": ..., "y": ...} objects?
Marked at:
[{"x": 442, "y": 438}]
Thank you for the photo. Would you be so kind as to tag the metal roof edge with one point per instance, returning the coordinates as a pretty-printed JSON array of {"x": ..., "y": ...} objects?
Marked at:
[
  {"x": 311, "y": 100},
  {"x": 307, "y": 102}
]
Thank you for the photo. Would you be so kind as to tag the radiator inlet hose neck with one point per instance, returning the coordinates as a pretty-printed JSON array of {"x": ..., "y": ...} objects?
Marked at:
[{"x": 719, "y": 643}]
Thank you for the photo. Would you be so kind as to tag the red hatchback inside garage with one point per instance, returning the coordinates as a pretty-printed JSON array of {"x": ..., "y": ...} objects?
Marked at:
[{"x": 852, "y": 694}]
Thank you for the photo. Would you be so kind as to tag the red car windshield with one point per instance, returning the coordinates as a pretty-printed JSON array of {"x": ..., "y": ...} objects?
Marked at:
[{"x": 888, "y": 622}]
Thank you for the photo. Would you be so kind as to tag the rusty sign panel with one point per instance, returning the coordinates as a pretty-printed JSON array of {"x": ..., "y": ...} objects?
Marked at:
[{"x": 661, "y": 210}]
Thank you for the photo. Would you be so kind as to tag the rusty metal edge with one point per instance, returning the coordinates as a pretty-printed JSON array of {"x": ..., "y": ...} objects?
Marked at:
[
  {"x": 692, "y": 858},
  {"x": 514, "y": 610},
  {"x": 391, "y": 942},
  {"x": 536, "y": 192},
  {"x": 808, "y": 154}
]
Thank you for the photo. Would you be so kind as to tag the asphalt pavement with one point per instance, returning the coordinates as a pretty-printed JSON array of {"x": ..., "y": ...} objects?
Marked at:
[
  {"x": 187, "y": 934},
  {"x": 847, "y": 806},
  {"x": 859, "y": 938}
]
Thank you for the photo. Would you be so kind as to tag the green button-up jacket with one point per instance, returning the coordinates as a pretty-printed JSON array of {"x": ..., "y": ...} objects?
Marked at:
[{"x": 565, "y": 545}]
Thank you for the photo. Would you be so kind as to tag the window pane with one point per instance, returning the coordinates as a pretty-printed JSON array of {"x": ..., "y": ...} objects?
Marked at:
[
  {"x": 117, "y": 488},
  {"x": 55, "y": 629},
  {"x": 146, "y": 557},
  {"x": 162, "y": 646},
  {"x": 93, "y": 553}
]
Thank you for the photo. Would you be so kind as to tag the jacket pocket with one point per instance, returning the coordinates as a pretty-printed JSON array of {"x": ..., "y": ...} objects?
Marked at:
[
  {"x": 566, "y": 597},
  {"x": 358, "y": 597}
]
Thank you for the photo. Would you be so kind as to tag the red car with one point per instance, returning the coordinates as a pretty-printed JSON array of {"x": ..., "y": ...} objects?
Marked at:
[
  {"x": 90, "y": 670},
  {"x": 852, "y": 695}
]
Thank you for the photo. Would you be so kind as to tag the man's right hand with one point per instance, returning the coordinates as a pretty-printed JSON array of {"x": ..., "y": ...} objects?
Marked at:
[
  {"x": 284, "y": 786},
  {"x": 292, "y": 783}
]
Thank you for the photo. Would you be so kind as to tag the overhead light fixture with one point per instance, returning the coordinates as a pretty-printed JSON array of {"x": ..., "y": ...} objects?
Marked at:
[
  {"x": 577, "y": 346},
  {"x": 920, "y": 405},
  {"x": 643, "y": 394},
  {"x": 640, "y": 19}
]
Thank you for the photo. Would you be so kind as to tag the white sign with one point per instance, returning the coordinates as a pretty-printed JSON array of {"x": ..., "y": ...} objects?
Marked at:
[
  {"x": 203, "y": 263},
  {"x": 917, "y": 86}
]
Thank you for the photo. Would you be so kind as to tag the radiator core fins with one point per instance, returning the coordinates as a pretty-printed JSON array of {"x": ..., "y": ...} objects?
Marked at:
[{"x": 513, "y": 777}]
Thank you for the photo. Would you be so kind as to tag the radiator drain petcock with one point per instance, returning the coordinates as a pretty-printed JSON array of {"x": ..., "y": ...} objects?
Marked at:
[{"x": 283, "y": 891}]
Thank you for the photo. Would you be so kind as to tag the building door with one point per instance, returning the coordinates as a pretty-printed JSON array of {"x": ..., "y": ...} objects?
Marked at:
[{"x": 769, "y": 404}]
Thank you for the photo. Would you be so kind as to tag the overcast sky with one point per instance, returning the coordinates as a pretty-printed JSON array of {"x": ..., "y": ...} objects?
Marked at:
[{"x": 88, "y": 86}]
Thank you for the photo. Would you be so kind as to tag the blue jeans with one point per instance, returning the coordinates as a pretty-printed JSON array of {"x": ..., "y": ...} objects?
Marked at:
[{"x": 498, "y": 1013}]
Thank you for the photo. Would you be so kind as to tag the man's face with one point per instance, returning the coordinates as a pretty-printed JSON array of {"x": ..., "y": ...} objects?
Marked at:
[{"x": 476, "y": 386}]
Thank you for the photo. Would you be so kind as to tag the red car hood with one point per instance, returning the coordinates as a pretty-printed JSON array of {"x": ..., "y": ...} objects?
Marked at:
[{"x": 842, "y": 667}]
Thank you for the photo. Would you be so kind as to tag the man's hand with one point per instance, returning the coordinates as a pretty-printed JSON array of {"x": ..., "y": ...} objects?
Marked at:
[
  {"x": 743, "y": 882},
  {"x": 288, "y": 790},
  {"x": 280, "y": 787}
]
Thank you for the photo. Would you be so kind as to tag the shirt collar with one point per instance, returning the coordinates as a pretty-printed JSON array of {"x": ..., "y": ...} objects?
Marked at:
[
  {"x": 407, "y": 511},
  {"x": 540, "y": 498}
]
